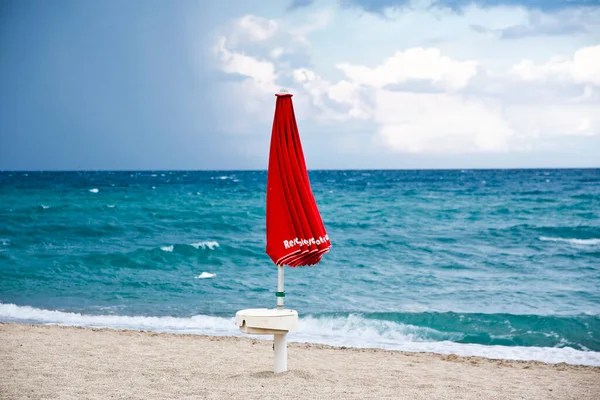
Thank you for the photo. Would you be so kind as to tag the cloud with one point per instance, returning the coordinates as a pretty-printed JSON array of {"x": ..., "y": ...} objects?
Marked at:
[
  {"x": 256, "y": 28},
  {"x": 561, "y": 119},
  {"x": 414, "y": 64},
  {"x": 380, "y": 6},
  {"x": 255, "y": 81},
  {"x": 563, "y": 22},
  {"x": 261, "y": 72},
  {"x": 582, "y": 68},
  {"x": 258, "y": 54},
  {"x": 259, "y": 35},
  {"x": 376, "y": 6},
  {"x": 434, "y": 99},
  {"x": 455, "y": 118},
  {"x": 341, "y": 101},
  {"x": 300, "y": 3},
  {"x": 274, "y": 39},
  {"x": 441, "y": 123}
]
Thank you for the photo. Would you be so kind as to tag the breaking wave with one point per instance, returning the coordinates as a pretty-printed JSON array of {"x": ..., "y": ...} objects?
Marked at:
[
  {"x": 580, "y": 242},
  {"x": 206, "y": 275},
  {"x": 351, "y": 330},
  {"x": 211, "y": 245}
]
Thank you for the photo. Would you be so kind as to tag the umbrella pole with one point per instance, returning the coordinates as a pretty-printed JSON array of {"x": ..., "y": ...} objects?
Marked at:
[
  {"x": 280, "y": 340},
  {"x": 280, "y": 292}
]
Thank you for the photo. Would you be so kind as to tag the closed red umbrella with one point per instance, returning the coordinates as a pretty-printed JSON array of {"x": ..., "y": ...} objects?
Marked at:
[{"x": 296, "y": 235}]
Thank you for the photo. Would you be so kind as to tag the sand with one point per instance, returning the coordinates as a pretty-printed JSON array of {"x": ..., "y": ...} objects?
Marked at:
[{"x": 53, "y": 362}]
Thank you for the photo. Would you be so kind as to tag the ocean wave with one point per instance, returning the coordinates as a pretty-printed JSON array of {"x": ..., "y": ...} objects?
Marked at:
[
  {"x": 94, "y": 190},
  {"x": 531, "y": 231},
  {"x": 581, "y": 242},
  {"x": 206, "y": 275},
  {"x": 211, "y": 245},
  {"x": 351, "y": 330},
  {"x": 145, "y": 257},
  {"x": 356, "y": 331},
  {"x": 200, "y": 324}
]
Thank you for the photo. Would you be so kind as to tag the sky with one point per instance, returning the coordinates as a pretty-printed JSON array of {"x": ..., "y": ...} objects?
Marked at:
[{"x": 402, "y": 84}]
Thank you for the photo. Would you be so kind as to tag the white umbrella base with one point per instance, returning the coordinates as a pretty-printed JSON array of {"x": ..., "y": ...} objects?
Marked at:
[{"x": 276, "y": 322}]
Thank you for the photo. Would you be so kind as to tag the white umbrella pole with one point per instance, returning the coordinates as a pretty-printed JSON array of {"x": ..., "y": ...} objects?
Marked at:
[
  {"x": 280, "y": 287},
  {"x": 280, "y": 341}
]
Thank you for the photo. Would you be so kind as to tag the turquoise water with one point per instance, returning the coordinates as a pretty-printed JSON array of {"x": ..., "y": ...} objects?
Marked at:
[{"x": 498, "y": 263}]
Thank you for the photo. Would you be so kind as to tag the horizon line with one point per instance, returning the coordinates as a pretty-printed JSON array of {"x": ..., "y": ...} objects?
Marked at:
[{"x": 309, "y": 169}]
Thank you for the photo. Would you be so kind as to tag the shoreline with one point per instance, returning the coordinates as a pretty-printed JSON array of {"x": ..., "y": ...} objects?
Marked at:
[
  {"x": 351, "y": 330},
  {"x": 54, "y": 361}
]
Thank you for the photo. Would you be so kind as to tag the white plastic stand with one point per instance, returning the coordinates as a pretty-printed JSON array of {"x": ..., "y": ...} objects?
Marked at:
[
  {"x": 277, "y": 322},
  {"x": 280, "y": 345}
]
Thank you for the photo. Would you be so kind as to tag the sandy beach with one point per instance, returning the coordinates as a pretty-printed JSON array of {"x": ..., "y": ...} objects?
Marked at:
[{"x": 54, "y": 362}]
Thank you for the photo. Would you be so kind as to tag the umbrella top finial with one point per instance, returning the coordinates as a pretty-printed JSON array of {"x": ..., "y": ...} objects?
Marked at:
[{"x": 283, "y": 92}]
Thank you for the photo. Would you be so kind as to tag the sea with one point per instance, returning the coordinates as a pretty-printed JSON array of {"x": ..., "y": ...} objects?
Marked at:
[{"x": 502, "y": 264}]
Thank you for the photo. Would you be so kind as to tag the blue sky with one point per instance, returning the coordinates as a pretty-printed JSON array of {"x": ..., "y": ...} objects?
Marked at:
[{"x": 377, "y": 84}]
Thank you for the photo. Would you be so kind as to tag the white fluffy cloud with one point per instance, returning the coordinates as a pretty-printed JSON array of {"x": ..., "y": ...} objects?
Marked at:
[
  {"x": 441, "y": 122},
  {"x": 418, "y": 99},
  {"x": 256, "y": 28},
  {"x": 582, "y": 67},
  {"x": 261, "y": 72},
  {"x": 414, "y": 64},
  {"x": 341, "y": 101}
]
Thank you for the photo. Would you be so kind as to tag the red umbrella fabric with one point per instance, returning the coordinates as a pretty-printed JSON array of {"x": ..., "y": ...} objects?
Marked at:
[{"x": 296, "y": 235}]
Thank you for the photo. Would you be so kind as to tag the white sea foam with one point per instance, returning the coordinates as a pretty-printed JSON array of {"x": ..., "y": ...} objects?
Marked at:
[
  {"x": 4, "y": 243},
  {"x": 200, "y": 324},
  {"x": 206, "y": 275},
  {"x": 167, "y": 248},
  {"x": 45, "y": 207},
  {"x": 205, "y": 245},
  {"x": 352, "y": 331},
  {"x": 94, "y": 190},
  {"x": 110, "y": 205},
  {"x": 580, "y": 242}
]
